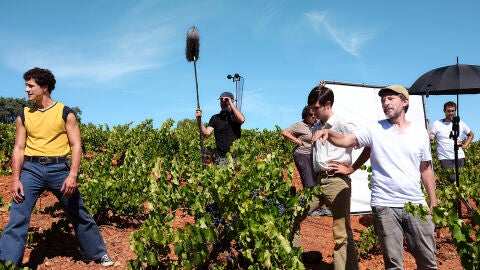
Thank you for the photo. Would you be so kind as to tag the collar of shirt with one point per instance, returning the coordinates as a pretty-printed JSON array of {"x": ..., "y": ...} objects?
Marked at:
[{"x": 329, "y": 124}]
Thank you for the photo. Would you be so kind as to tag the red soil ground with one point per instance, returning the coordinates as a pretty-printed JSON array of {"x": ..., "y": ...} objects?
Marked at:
[{"x": 61, "y": 251}]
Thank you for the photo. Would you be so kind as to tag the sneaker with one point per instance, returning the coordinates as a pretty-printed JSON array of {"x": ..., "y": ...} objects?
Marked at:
[
  {"x": 324, "y": 211},
  {"x": 106, "y": 261},
  {"x": 327, "y": 212}
]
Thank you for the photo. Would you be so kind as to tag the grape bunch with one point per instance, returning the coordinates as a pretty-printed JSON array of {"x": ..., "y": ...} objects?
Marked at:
[
  {"x": 302, "y": 201},
  {"x": 281, "y": 209},
  {"x": 212, "y": 209}
]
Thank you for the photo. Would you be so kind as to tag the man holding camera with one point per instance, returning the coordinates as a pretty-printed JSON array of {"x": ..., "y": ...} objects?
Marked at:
[{"x": 225, "y": 125}]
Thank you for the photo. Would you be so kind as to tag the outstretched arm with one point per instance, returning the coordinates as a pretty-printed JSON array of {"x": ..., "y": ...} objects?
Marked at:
[{"x": 335, "y": 138}]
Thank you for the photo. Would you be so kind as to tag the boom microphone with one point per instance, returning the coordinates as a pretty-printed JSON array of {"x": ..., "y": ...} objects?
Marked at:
[
  {"x": 191, "y": 52},
  {"x": 193, "y": 44}
]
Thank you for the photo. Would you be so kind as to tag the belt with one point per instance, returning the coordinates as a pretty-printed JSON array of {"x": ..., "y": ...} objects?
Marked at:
[
  {"x": 325, "y": 174},
  {"x": 46, "y": 160}
]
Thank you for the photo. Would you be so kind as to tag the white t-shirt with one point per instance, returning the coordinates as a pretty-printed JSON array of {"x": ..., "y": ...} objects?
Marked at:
[
  {"x": 395, "y": 158},
  {"x": 441, "y": 130}
]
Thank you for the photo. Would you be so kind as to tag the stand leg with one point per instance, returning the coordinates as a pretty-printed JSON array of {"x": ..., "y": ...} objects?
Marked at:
[
  {"x": 454, "y": 136},
  {"x": 469, "y": 207}
]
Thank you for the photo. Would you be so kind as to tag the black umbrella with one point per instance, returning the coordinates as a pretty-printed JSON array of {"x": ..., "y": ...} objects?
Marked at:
[{"x": 450, "y": 80}]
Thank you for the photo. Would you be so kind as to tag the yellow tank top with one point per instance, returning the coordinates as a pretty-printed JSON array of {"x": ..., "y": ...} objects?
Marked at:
[{"x": 46, "y": 131}]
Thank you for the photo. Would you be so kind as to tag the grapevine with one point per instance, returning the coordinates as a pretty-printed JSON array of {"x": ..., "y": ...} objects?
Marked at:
[{"x": 243, "y": 211}]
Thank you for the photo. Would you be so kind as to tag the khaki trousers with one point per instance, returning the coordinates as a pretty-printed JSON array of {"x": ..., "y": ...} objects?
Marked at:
[{"x": 336, "y": 194}]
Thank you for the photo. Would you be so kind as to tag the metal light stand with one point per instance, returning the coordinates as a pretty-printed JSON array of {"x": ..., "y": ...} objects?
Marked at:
[
  {"x": 238, "y": 80},
  {"x": 454, "y": 134}
]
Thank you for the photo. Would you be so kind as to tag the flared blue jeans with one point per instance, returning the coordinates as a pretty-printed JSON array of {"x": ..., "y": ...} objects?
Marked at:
[{"x": 35, "y": 179}]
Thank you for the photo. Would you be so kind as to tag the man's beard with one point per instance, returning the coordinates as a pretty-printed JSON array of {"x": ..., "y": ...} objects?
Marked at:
[
  {"x": 226, "y": 109},
  {"x": 392, "y": 113}
]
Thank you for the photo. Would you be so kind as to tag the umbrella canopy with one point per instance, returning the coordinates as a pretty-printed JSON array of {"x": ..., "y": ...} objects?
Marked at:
[{"x": 449, "y": 80}]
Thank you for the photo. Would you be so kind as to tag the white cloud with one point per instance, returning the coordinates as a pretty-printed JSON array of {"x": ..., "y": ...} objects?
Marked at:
[
  {"x": 349, "y": 40},
  {"x": 114, "y": 58},
  {"x": 140, "y": 39}
]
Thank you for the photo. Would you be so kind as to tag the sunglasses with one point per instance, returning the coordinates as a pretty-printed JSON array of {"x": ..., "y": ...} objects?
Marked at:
[{"x": 311, "y": 114}]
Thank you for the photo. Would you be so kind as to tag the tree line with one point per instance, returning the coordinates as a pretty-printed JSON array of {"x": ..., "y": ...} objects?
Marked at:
[{"x": 11, "y": 107}]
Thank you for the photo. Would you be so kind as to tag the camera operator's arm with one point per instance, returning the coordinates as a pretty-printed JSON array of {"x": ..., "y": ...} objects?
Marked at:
[{"x": 238, "y": 114}]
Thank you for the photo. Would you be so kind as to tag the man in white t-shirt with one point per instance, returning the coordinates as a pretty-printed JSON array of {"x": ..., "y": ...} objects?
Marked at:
[
  {"x": 441, "y": 132},
  {"x": 400, "y": 156}
]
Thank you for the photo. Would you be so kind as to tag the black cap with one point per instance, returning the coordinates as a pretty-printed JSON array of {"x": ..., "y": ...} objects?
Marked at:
[{"x": 226, "y": 94}]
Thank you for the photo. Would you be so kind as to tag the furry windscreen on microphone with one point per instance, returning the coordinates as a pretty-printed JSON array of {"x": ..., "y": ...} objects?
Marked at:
[{"x": 193, "y": 44}]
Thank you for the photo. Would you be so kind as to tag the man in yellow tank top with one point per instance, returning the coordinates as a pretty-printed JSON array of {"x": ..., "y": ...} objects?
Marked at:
[{"x": 45, "y": 134}]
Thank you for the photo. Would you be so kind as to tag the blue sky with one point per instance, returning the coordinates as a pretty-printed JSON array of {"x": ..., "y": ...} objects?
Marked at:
[{"x": 124, "y": 61}]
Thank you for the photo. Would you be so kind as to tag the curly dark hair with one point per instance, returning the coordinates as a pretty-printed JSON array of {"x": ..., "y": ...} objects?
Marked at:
[
  {"x": 306, "y": 110},
  {"x": 42, "y": 76}
]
